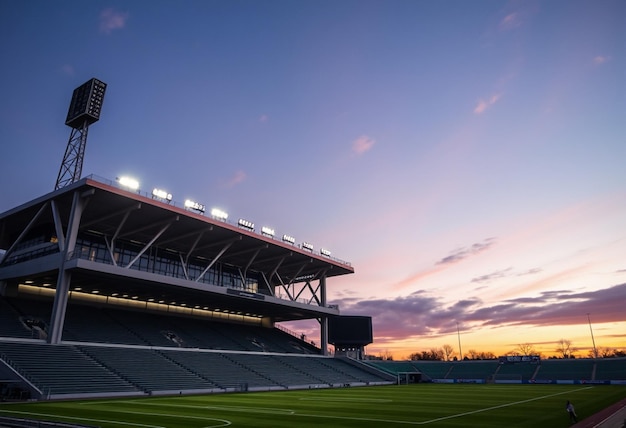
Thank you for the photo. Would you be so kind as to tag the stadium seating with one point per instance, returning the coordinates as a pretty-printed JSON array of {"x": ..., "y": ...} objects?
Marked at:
[
  {"x": 522, "y": 371},
  {"x": 131, "y": 352},
  {"x": 610, "y": 368},
  {"x": 565, "y": 369},
  {"x": 62, "y": 369}
]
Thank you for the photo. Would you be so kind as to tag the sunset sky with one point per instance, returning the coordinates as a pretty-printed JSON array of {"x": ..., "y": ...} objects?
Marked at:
[{"x": 468, "y": 158}]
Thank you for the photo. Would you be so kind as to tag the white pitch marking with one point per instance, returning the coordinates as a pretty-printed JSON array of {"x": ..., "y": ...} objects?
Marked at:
[
  {"x": 80, "y": 419},
  {"x": 268, "y": 410},
  {"x": 355, "y": 400},
  {"x": 502, "y": 406}
]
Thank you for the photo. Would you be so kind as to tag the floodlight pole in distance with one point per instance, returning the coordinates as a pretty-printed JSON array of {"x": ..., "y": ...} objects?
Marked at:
[{"x": 84, "y": 110}]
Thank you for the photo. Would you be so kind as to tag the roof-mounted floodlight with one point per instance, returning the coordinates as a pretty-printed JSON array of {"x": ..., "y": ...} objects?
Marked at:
[
  {"x": 325, "y": 252},
  {"x": 307, "y": 246},
  {"x": 161, "y": 194},
  {"x": 267, "y": 231},
  {"x": 289, "y": 239},
  {"x": 219, "y": 214},
  {"x": 192, "y": 205},
  {"x": 129, "y": 182},
  {"x": 246, "y": 224}
]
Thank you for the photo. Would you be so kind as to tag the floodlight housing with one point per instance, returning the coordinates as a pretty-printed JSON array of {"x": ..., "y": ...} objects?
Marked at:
[
  {"x": 267, "y": 231},
  {"x": 129, "y": 182},
  {"x": 325, "y": 252},
  {"x": 290, "y": 239},
  {"x": 307, "y": 246},
  {"x": 162, "y": 194},
  {"x": 192, "y": 205},
  {"x": 86, "y": 104},
  {"x": 246, "y": 224},
  {"x": 219, "y": 214}
]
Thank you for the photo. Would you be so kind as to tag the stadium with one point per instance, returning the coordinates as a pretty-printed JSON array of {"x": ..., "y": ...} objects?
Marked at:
[{"x": 108, "y": 292}]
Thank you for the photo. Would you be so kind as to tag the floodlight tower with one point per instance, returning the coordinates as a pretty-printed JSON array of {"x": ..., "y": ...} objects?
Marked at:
[{"x": 84, "y": 110}]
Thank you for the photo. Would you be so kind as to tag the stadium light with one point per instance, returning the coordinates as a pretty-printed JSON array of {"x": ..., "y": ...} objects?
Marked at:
[
  {"x": 325, "y": 252},
  {"x": 219, "y": 214},
  {"x": 290, "y": 239},
  {"x": 129, "y": 182},
  {"x": 307, "y": 246},
  {"x": 192, "y": 205},
  {"x": 246, "y": 224},
  {"x": 267, "y": 231},
  {"x": 161, "y": 194}
]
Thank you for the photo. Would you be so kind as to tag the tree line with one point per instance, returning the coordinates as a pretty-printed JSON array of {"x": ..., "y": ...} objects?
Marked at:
[{"x": 564, "y": 350}]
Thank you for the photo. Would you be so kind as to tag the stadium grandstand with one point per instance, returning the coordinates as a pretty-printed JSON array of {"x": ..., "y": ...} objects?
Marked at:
[
  {"x": 105, "y": 291},
  {"x": 514, "y": 370}
]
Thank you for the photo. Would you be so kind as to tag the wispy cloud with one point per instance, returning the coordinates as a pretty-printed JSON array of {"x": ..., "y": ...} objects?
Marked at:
[
  {"x": 601, "y": 59},
  {"x": 493, "y": 275},
  {"x": 484, "y": 104},
  {"x": 237, "y": 178},
  {"x": 465, "y": 252},
  {"x": 264, "y": 118},
  {"x": 362, "y": 144},
  {"x": 67, "y": 69},
  {"x": 532, "y": 271},
  {"x": 111, "y": 19},
  {"x": 503, "y": 273},
  {"x": 412, "y": 279},
  {"x": 510, "y": 21}
]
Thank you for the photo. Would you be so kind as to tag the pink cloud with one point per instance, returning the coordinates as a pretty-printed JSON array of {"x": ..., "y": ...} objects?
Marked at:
[
  {"x": 601, "y": 59},
  {"x": 483, "y": 105},
  {"x": 238, "y": 177},
  {"x": 67, "y": 70},
  {"x": 512, "y": 20},
  {"x": 362, "y": 144},
  {"x": 112, "y": 20}
]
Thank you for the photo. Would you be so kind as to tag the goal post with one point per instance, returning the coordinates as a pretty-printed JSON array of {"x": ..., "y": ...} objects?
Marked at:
[{"x": 406, "y": 378}]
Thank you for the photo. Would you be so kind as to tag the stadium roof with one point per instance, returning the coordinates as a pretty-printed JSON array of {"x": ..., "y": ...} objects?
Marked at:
[{"x": 112, "y": 211}]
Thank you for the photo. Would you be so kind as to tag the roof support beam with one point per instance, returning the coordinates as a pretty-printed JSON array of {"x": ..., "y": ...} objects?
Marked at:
[
  {"x": 148, "y": 227},
  {"x": 111, "y": 245},
  {"x": 99, "y": 220},
  {"x": 222, "y": 251},
  {"x": 149, "y": 244},
  {"x": 58, "y": 225},
  {"x": 24, "y": 232}
]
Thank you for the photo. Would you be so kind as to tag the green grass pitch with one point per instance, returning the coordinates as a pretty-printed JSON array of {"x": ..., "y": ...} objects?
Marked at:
[{"x": 430, "y": 405}]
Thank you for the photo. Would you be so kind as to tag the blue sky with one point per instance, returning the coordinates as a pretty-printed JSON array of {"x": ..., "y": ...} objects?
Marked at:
[{"x": 467, "y": 157}]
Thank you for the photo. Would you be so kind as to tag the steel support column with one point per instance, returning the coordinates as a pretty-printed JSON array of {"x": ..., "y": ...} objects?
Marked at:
[
  {"x": 324, "y": 319},
  {"x": 61, "y": 295}
]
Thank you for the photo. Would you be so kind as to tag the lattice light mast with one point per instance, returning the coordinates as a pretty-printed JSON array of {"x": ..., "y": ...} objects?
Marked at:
[{"x": 84, "y": 110}]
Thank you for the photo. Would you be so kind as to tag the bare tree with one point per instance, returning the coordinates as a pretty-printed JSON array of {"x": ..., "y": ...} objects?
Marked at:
[
  {"x": 601, "y": 352},
  {"x": 525, "y": 349},
  {"x": 448, "y": 352},
  {"x": 437, "y": 354},
  {"x": 473, "y": 354},
  {"x": 564, "y": 348},
  {"x": 386, "y": 355}
]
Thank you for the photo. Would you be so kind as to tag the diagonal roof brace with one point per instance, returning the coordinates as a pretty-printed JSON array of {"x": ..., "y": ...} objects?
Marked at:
[
  {"x": 99, "y": 220},
  {"x": 58, "y": 225},
  {"x": 149, "y": 244},
  {"x": 149, "y": 226},
  {"x": 254, "y": 256},
  {"x": 222, "y": 251},
  {"x": 24, "y": 232}
]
